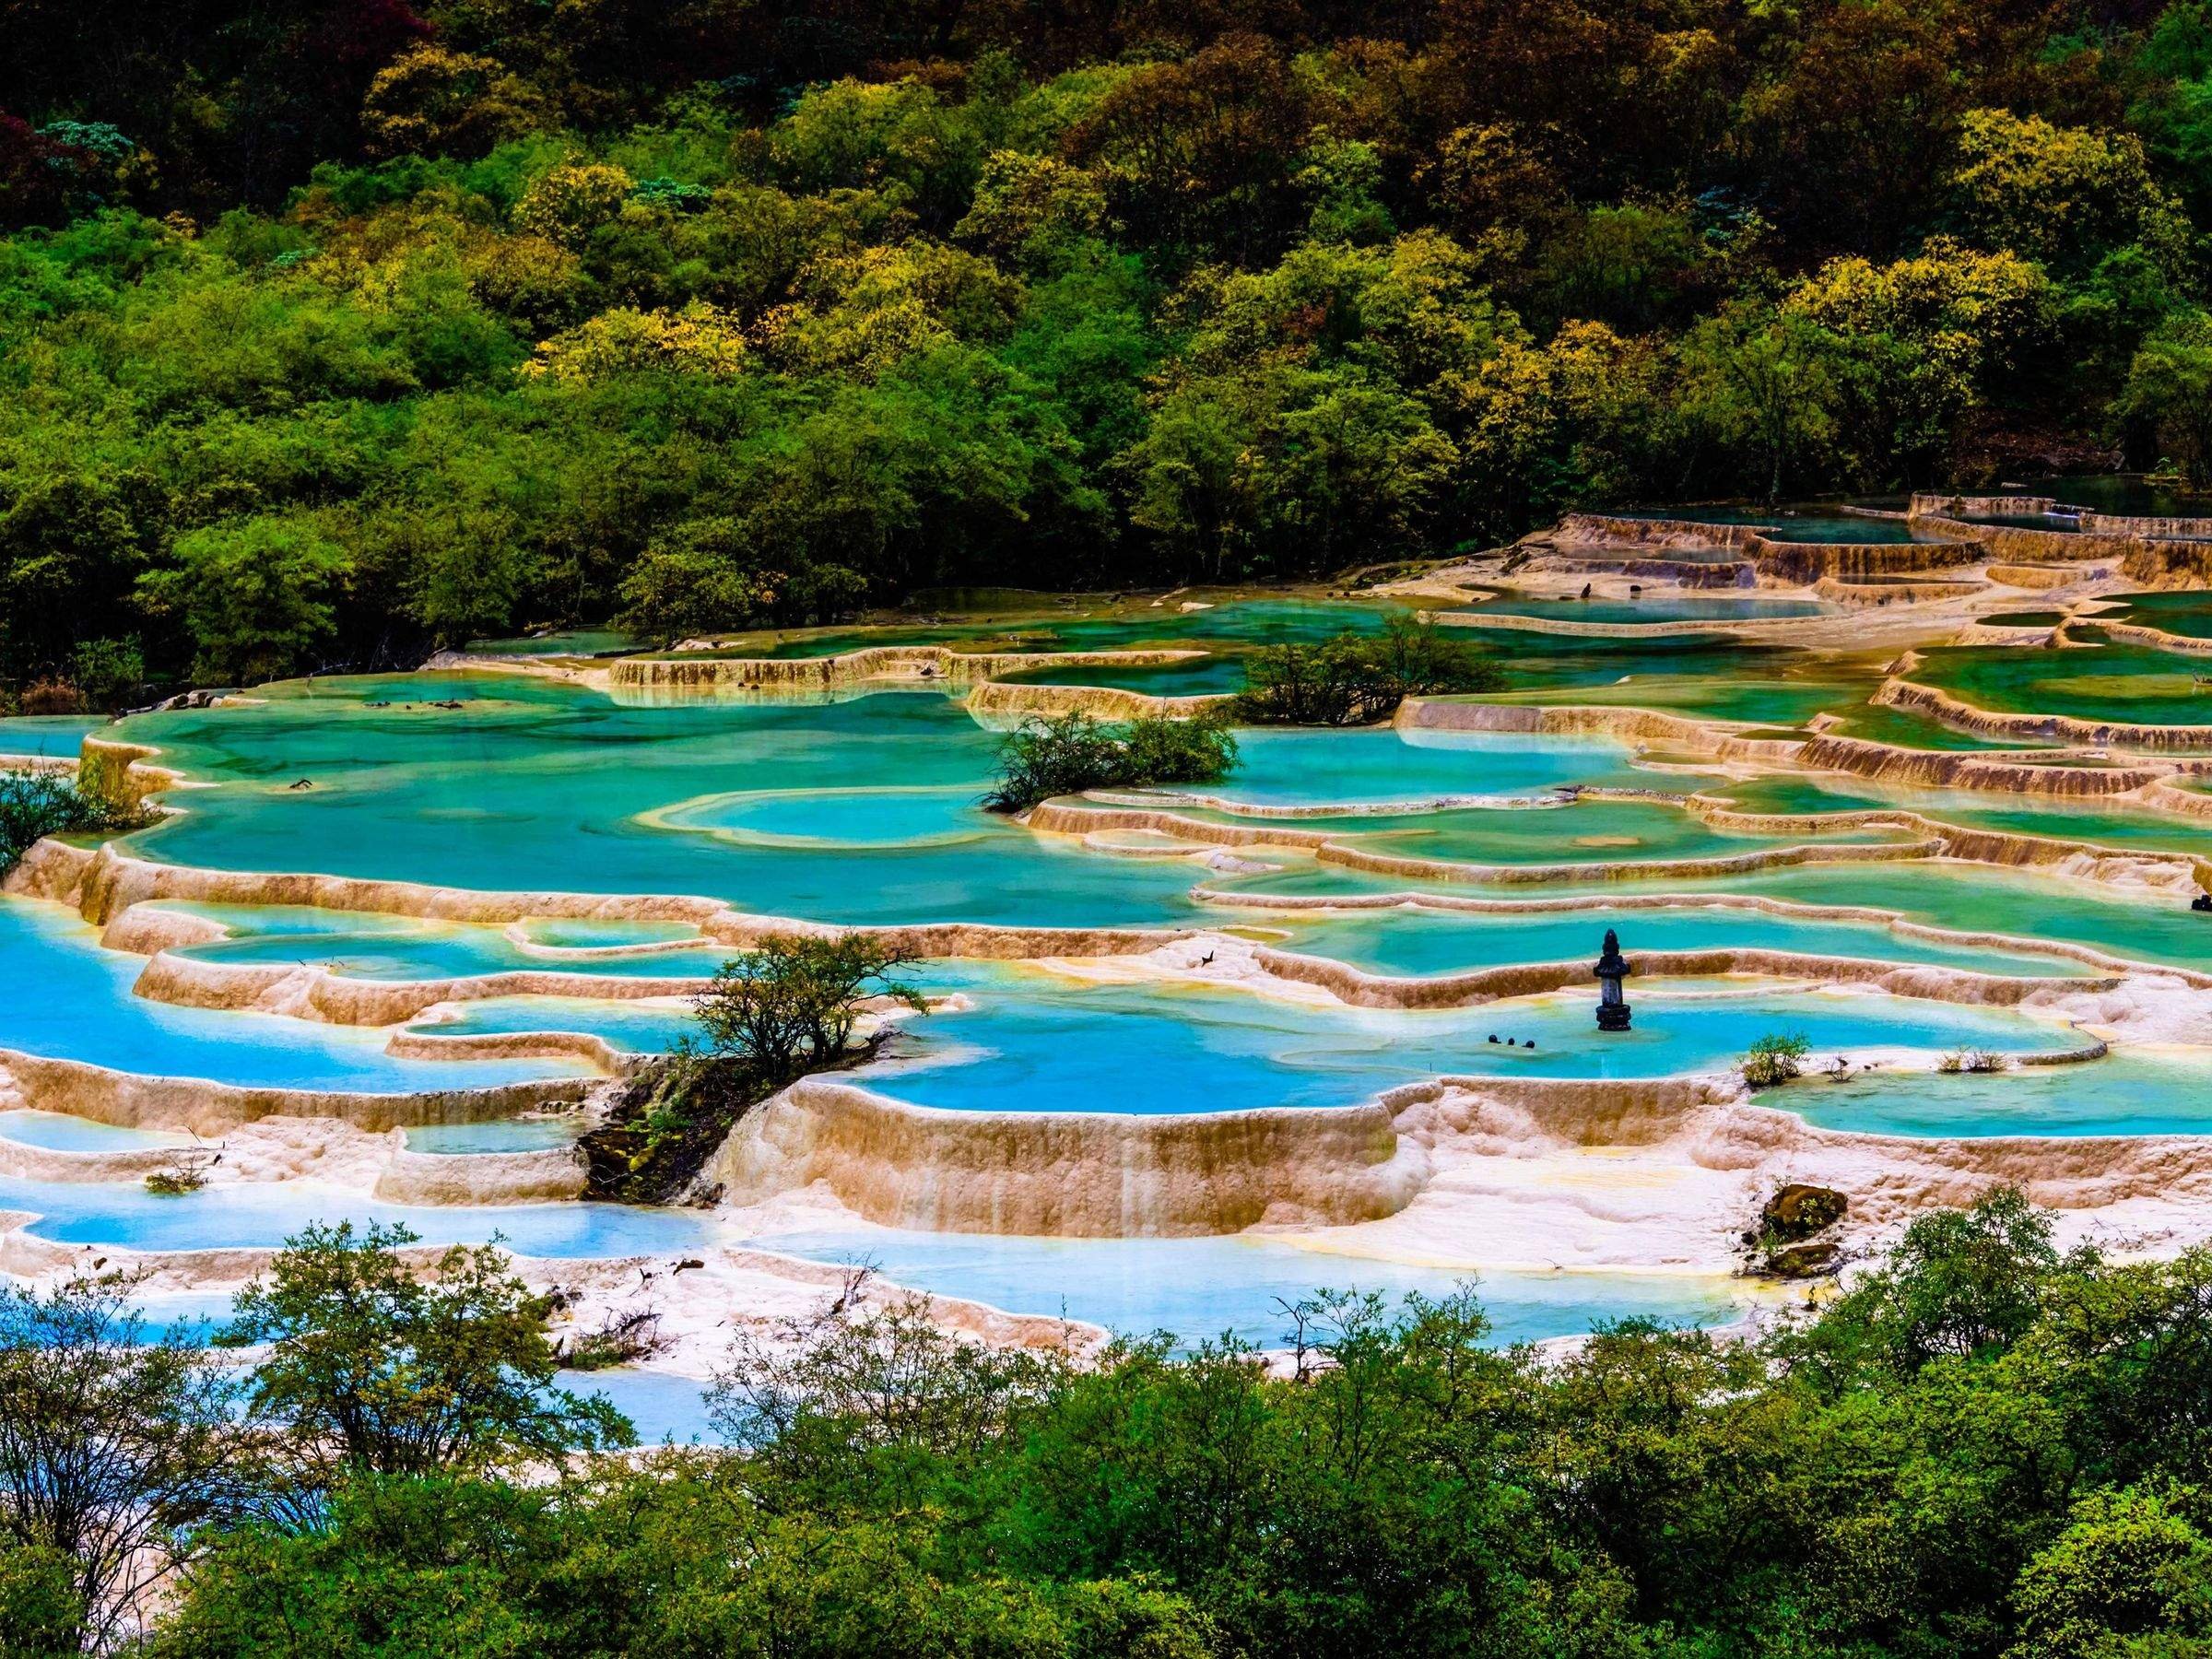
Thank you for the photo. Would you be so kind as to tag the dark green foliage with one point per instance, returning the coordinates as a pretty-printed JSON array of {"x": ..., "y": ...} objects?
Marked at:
[
  {"x": 1073, "y": 752},
  {"x": 36, "y": 803},
  {"x": 335, "y": 333},
  {"x": 1353, "y": 679},
  {"x": 1991, "y": 1450}
]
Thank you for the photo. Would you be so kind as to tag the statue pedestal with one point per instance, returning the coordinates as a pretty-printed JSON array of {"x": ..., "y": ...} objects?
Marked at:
[{"x": 1613, "y": 1016}]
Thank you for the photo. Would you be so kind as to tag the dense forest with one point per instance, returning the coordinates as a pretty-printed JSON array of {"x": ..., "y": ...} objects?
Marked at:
[
  {"x": 1985, "y": 1447},
  {"x": 332, "y": 330}
]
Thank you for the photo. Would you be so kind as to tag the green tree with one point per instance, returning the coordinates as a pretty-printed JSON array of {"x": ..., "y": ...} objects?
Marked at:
[
  {"x": 377, "y": 1366},
  {"x": 255, "y": 599},
  {"x": 119, "y": 1446},
  {"x": 2170, "y": 387},
  {"x": 789, "y": 1004},
  {"x": 1070, "y": 753}
]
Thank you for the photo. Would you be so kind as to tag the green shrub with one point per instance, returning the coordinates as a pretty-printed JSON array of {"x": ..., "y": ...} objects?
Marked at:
[
  {"x": 1074, "y": 752},
  {"x": 1355, "y": 679},
  {"x": 1777, "y": 1057},
  {"x": 791, "y": 1002},
  {"x": 34, "y": 805}
]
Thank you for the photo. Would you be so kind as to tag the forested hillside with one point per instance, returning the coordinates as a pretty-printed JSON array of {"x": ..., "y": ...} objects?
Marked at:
[{"x": 334, "y": 329}]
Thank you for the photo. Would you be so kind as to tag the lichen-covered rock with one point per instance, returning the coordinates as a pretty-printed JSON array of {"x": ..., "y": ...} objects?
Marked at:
[
  {"x": 1803, "y": 1261},
  {"x": 1798, "y": 1211}
]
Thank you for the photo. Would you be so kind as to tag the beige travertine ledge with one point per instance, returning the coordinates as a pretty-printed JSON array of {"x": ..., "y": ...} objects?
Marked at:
[{"x": 1070, "y": 1175}]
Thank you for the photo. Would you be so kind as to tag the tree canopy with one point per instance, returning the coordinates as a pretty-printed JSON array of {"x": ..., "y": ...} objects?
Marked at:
[{"x": 334, "y": 330}]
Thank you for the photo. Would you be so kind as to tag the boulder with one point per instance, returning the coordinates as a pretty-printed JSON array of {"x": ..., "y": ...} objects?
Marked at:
[{"x": 1798, "y": 1211}]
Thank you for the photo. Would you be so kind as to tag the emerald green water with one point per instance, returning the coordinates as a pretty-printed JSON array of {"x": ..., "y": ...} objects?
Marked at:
[
  {"x": 2177, "y": 613},
  {"x": 2122, "y": 683}
]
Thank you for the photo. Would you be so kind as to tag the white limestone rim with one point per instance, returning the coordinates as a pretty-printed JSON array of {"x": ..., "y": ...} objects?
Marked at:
[{"x": 24, "y": 1255}]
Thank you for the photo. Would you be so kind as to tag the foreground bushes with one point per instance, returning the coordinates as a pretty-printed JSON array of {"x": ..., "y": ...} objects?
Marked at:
[
  {"x": 1068, "y": 755},
  {"x": 1985, "y": 1447}
]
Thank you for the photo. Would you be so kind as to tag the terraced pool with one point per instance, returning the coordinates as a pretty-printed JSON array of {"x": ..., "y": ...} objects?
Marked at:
[{"x": 595, "y": 816}]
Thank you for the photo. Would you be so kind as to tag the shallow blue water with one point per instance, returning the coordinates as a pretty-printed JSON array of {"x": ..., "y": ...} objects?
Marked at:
[
  {"x": 1035, "y": 1042},
  {"x": 69, "y": 999},
  {"x": 1197, "y": 1288},
  {"x": 58, "y": 1132},
  {"x": 2125, "y": 1094},
  {"x": 56, "y": 734},
  {"x": 255, "y": 1215}
]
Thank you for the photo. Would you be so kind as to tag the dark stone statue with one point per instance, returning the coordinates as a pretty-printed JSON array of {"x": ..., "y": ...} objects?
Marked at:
[{"x": 1612, "y": 968}]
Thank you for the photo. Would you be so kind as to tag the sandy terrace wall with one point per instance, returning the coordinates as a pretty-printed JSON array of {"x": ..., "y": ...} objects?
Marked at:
[
  {"x": 2168, "y": 564},
  {"x": 853, "y": 667},
  {"x": 2144, "y": 559},
  {"x": 1601, "y": 530},
  {"x": 1870, "y": 595},
  {"x": 1687, "y": 573},
  {"x": 46, "y": 1163},
  {"x": 123, "y": 772},
  {"x": 545, "y": 1176},
  {"x": 1559, "y": 720},
  {"x": 1929, "y": 983},
  {"x": 307, "y": 991},
  {"x": 2135, "y": 634},
  {"x": 1713, "y": 1128},
  {"x": 1959, "y": 769},
  {"x": 1007, "y": 698},
  {"x": 1849, "y": 562},
  {"x": 1924, "y": 505},
  {"x": 209, "y": 1108},
  {"x": 1067, "y": 1174},
  {"x": 2059, "y": 728},
  {"x": 2041, "y": 576},
  {"x": 1783, "y": 560}
]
